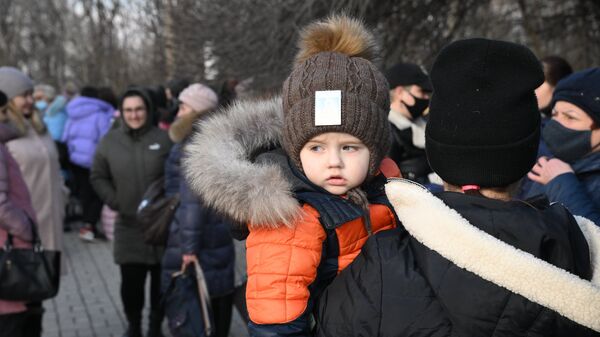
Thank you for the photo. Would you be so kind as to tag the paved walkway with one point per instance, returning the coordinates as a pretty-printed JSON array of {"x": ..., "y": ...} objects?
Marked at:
[{"x": 88, "y": 303}]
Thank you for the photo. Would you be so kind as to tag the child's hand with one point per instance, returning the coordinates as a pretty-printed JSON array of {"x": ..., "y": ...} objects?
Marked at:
[{"x": 545, "y": 170}]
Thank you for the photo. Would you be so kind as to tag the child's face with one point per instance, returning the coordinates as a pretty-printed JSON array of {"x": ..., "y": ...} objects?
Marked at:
[{"x": 335, "y": 161}]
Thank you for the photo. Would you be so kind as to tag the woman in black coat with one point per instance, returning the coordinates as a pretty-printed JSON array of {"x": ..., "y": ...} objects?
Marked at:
[{"x": 471, "y": 261}]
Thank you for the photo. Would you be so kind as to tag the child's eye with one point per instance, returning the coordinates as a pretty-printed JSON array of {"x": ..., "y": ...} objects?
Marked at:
[
  {"x": 349, "y": 148},
  {"x": 316, "y": 148}
]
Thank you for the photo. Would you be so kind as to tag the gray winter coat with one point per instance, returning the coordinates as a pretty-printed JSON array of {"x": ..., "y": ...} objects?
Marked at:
[{"x": 126, "y": 162}]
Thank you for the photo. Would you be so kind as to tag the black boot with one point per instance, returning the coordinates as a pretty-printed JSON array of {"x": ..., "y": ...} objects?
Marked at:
[
  {"x": 155, "y": 325},
  {"x": 134, "y": 327}
]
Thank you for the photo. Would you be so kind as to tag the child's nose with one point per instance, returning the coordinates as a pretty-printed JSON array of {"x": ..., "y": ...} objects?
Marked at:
[{"x": 335, "y": 160}]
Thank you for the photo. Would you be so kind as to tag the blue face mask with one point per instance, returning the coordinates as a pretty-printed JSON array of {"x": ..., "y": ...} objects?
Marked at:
[
  {"x": 41, "y": 105},
  {"x": 566, "y": 144}
]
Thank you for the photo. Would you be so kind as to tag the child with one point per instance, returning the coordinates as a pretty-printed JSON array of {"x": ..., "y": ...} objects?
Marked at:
[
  {"x": 473, "y": 261},
  {"x": 311, "y": 205}
]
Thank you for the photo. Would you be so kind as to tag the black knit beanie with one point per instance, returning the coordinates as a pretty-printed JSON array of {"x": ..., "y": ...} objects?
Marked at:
[{"x": 484, "y": 124}]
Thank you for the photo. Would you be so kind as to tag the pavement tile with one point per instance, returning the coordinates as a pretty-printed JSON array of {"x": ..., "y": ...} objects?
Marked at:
[{"x": 88, "y": 303}]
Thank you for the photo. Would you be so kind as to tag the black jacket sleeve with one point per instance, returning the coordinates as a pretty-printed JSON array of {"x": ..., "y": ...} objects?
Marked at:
[{"x": 382, "y": 293}]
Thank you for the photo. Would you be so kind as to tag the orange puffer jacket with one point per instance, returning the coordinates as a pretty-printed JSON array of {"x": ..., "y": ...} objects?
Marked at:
[{"x": 283, "y": 262}]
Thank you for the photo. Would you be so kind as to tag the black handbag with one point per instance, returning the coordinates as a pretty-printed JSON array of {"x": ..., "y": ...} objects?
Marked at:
[
  {"x": 28, "y": 274},
  {"x": 155, "y": 213}
]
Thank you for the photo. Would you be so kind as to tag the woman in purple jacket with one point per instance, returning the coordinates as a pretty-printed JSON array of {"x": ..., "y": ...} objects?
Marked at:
[
  {"x": 89, "y": 119},
  {"x": 16, "y": 218}
]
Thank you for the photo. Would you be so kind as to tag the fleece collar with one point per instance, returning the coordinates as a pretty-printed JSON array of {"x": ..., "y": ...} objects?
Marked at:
[{"x": 445, "y": 231}]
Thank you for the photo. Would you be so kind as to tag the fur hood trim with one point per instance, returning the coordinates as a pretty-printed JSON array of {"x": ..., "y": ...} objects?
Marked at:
[
  {"x": 182, "y": 126},
  {"x": 218, "y": 164},
  {"x": 445, "y": 231}
]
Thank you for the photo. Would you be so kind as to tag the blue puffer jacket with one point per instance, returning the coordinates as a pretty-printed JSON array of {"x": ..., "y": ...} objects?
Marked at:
[
  {"x": 89, "y": 120},
  {"x": 172, "y": 172},
  {"x": 197, "y": 230},
  {"x": 579, "y": 192},
  {"x": 55, "y": 117}
]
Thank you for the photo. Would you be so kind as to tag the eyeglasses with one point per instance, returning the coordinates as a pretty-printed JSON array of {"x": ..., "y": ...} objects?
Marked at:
[{"x": 135, "y": 110}]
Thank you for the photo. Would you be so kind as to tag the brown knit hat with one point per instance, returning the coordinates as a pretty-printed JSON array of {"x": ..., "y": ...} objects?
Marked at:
[{"x": 337, "y": 55}]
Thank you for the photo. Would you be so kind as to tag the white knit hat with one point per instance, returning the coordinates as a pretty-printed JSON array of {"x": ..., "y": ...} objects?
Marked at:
[{"x": 199, "y": 97}]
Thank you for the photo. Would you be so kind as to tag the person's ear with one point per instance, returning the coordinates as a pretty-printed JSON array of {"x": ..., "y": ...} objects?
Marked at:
[
  {"x": 396, "y": 93},
  {"x": 399, "y": 90},
  {"x": 595, "y": 138}
]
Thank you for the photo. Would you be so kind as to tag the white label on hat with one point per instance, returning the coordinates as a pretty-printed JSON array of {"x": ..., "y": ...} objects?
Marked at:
[{"x": 328, "y": 107}]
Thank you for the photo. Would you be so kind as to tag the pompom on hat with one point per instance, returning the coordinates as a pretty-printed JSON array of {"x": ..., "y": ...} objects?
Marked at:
[
  {"x": 484, "y": 124},
  {"x": 337, "y": 54}
]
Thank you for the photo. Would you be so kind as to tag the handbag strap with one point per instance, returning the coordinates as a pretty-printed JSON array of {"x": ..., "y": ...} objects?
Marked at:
[
  {"x": 204, "y": 298},
  {"x": 35, "y": 238}
]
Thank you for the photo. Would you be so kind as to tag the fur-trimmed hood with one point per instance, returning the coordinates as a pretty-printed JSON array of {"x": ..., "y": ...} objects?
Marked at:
[
  {"x": 220, "y": 164},
  {"x": 182, "y": 126},
  {"x": 442, "y": 229}
]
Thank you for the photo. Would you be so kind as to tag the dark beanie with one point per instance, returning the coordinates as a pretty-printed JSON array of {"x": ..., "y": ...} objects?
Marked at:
[
  {"x": 336, "y": 55},
  {"x": 484, "y": 124},
  {"x": 403, "y": 74},
  {"x": 582, "y": 89}
]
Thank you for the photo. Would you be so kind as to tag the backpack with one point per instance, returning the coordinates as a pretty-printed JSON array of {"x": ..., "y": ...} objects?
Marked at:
[{"x": 155, "y": 213}]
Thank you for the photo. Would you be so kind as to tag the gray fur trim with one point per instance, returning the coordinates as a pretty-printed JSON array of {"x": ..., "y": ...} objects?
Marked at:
[{"x": 217, "y": 165}]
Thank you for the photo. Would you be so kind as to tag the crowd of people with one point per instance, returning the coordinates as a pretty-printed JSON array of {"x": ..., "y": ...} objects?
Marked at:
[{"x": 356, "y": 202}]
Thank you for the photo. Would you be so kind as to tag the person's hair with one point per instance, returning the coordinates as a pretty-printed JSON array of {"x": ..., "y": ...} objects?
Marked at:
[
  {"x": 47, "y": 89},
  {"x": 17, "y": 120},
  {"x": 107, "y": 95},
  {"x": 158, "y": 96},
  {"x": 555, "y": 69},
  {"x": 227, "y": 93},
  {"x": 177, "y": 85},
  {"x": 70, "y": 89},
  {"x": 89, "y": 91},
  {"x": 134, "y": 94}
]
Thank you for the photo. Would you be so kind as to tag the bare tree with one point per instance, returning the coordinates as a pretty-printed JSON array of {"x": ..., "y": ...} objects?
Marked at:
[{"x": 114, "y": 42}]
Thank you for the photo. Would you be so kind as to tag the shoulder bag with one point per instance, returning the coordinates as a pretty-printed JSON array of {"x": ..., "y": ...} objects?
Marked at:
[{"x": 28, "y": 274}]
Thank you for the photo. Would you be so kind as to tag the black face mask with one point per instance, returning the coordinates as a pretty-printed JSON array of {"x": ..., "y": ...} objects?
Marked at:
[
  {"x": 566, "y": 144},
  {"x": 418, "y": 108}
]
